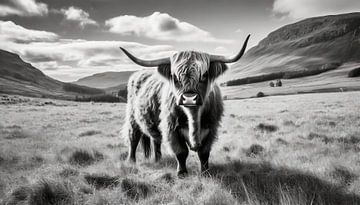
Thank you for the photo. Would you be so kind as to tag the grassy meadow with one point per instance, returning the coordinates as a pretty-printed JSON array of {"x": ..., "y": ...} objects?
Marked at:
[{"x": 288, "y": 150}]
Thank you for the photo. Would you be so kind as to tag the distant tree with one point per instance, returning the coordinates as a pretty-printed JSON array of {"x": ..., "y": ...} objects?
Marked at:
[
  {"x": 354, "y": 73},
  {"x": 271, "y": 84},
  {"x": 278, "y": 83},
  {"x": 123, "y": 93},
  {"x": 260, "y": 95}
]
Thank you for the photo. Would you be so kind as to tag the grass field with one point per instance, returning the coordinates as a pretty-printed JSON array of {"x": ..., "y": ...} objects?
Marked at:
[{"x": 295, "y": 149}]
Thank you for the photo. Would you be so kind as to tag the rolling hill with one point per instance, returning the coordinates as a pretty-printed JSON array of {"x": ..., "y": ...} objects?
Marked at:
[
  {"x": 303, "y": 46},
  {"x": 21, "y": 78},
  {"x": 105, "y": 80},
  {"x": 313, "y": 55}
]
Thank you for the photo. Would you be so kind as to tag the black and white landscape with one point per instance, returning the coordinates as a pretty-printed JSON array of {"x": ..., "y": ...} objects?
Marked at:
[{"x": 63, "y": 93}]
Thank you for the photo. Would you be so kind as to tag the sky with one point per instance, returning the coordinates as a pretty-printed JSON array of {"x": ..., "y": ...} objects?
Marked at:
[{"x": 68, "y": 40}]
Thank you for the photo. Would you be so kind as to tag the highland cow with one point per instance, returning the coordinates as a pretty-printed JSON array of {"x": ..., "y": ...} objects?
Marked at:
[{"x": 180, "y": 104}]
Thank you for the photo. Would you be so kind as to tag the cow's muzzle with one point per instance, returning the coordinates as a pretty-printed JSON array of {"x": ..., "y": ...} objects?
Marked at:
[{"x": 190, "y": 99}]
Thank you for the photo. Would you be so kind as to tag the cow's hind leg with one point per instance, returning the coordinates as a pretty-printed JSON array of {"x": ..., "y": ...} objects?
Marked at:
[
  {"x": 134, "y": 134},
  {"x": 181, "y": 152}
]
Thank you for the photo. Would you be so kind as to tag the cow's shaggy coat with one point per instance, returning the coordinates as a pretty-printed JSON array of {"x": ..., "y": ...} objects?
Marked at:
[
  {"x": 153, "y": 113},
  {"x": 180, "y": 104}
]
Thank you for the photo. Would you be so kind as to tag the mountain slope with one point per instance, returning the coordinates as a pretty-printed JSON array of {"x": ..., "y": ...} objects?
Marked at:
[
  {"x": 105, "y": 80},
  {"x": 305, "y": 45},
  {"x": 19, "y": 77}
]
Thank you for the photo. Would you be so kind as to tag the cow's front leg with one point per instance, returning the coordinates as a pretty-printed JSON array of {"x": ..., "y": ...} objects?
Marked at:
[
  {"x": 181, "y": 151},
  {"x": 204, "y": 161},
  {"x": 207, "y": 139}
]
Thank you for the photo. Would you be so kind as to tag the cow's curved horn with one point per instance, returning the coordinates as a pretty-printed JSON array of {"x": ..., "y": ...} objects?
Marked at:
[
  {"x": 223, "y": 59},
  {"x": 146, "y": 63}
]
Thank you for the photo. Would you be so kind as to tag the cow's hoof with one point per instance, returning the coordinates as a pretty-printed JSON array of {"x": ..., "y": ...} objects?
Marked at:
[
  {"x": 182, "y": 174},
  {"x": 131, "y": 160},
  {"x": 205, "y": 173}
]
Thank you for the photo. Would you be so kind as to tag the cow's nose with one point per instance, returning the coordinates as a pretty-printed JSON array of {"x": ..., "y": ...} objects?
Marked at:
[{"x": 189, "y": 99}]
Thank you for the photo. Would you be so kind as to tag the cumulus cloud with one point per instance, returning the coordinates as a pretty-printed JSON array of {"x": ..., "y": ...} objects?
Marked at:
[
  {"x": 221, "y": 50},
  {"x": 308, "y": 8},
  {"x": 78, "y": 15},
  {"x": 23, "y": 8},
  {"x": 70, "y": 59},
  {"x": 9, "y": 31},
  {"x": 160, "y": 26}
]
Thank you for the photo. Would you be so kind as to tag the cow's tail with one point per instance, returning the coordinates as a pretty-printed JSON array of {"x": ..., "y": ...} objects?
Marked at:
[{"x": 146, "y": 145}]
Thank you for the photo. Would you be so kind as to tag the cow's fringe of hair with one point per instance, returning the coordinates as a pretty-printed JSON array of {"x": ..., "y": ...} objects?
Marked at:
[
  {"x": 146, "y": 145},
  {"x": 181, "y": 59}
]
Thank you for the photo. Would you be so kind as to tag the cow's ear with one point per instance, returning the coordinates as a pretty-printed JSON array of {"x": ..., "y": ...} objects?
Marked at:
[
  {"x": 216, "y": 69},
  {"x": 165, "y": 70}
]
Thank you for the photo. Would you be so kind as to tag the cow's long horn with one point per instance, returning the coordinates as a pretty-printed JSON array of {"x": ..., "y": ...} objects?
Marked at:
[
  {"x": 146, "y": 63},
  {"x": 223, "y": 59}
]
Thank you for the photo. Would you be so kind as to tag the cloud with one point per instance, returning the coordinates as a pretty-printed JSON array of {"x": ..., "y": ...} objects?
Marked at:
[
  {"x": 221, "y": 50},
  {"x": 70, "y": 59},
  {"x": 239, "y": 30},
  {"x": 9, "y": 31},
  {"x": 23, "y": 8},
  {"x": 78, "y": 15},
  {"x": 160, "y": 26},
  {"x": 308, "y": 8}
]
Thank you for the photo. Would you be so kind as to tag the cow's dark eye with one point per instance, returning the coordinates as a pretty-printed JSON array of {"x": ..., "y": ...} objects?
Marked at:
[
  {"x": 175, "y": 79},
  {"x": 204, "y": 78}
]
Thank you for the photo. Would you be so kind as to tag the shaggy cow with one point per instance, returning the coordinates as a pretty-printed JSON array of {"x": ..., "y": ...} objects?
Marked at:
[{"x": 182, "y": 105}]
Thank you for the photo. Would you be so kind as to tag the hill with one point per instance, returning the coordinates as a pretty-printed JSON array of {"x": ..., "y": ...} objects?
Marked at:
[
  {"x": 21, "y": 78},
  {"x": 105, "y": 80},
  {"x": 313, "y": 55},
  {"x": 303, "y": 46}
]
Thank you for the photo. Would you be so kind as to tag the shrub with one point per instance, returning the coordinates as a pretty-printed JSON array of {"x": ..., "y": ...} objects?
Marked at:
[
  {"x": 123, "y": 93},
  {"x": 260, "y": 95},
  {"x": 271, "y": 84}
]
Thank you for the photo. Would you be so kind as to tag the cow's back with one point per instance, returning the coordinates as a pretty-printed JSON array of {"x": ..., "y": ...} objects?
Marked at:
[{"x": 144, "y": 93}]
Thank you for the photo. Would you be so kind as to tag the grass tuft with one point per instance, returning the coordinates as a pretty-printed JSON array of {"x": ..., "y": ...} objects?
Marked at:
[
  {"x": 89, "y": 133},
  {"x": 52, "y": 192},
  {"x": 17, "y": 134},
  {"x": 69, "y": 171},
  {"x": 254, "y": 150},
  {"x": 167, "y": 178},
  {"x": 84, "y": 157},
  {"x": 101, "y": 181},
  {"x": 343, "y": 175},
  {"x": 43, "y": 192},
  {"x": 266, "y": 127},
  {"x": 134, "y": 189}
]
